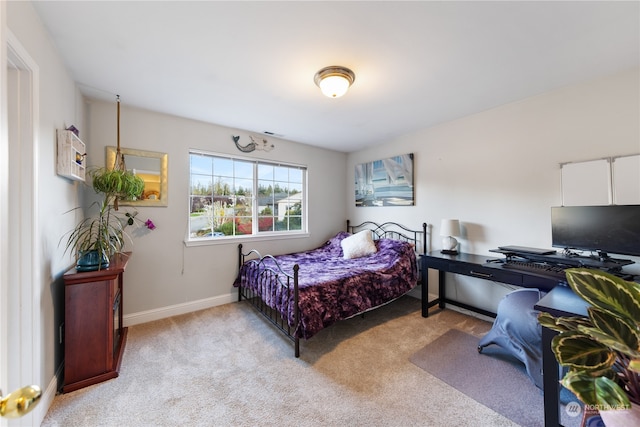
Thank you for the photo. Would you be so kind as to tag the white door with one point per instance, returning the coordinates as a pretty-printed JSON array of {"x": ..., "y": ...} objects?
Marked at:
[{"x": 19, "y": 280}]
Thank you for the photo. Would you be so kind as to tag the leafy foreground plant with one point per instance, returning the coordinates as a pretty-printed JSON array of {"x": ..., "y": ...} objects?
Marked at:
[{"x": 602, "y": 351}]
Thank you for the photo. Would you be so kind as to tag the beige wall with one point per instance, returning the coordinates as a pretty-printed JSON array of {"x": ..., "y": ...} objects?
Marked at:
[
  {"x": 498, "y": 171},
  {"x": 58, "y": 106},
  {"x": 166, "y": 277}
]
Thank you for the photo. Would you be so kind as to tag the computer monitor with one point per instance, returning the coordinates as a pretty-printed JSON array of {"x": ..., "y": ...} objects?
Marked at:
[{"x": 602, "y": 229}]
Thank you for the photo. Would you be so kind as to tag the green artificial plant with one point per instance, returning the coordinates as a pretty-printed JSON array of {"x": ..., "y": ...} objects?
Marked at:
[
  {"x": 601, "y": 351},
  {"x": 104, "y": 232}
]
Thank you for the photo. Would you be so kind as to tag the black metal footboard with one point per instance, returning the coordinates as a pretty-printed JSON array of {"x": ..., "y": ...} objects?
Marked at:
[
  {"x": 266, "y": 286},
  {"x": 274, "y": 293}
]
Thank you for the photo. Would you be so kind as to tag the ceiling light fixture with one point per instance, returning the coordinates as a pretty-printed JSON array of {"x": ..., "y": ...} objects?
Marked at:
[{"x": 334, "y": 81}]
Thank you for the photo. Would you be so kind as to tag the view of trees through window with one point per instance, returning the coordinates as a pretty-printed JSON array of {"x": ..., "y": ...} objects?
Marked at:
[{"x": 232, "y": 197}]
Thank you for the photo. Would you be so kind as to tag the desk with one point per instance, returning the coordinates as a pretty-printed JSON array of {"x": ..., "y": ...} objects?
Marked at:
[
  {"x": 474, "y": 266},
  {"x": 560, "y": 301}
]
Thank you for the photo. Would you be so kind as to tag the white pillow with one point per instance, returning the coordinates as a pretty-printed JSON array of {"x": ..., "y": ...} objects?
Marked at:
[{"x": 358, "y": 245}]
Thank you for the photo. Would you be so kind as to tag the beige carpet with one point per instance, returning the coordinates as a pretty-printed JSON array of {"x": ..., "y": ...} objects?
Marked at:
[
  {"x": 492, "y": 378},
  {"x": 226, "y": 366}
]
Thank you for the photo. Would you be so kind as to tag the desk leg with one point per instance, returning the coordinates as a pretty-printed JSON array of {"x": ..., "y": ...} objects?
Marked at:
[
  {"x": 424, "y": 295},
  {"x": 550, "y": 380},
  {"x": 441, "y": 289},
  {"x": 425, "y": 291}
]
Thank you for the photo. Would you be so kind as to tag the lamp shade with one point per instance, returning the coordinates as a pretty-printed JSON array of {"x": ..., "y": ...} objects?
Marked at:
[{"x": 450, "y": 227}]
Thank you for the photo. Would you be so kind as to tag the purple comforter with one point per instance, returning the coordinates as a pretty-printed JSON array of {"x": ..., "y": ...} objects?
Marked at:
[{"x": 332, "y": 288}]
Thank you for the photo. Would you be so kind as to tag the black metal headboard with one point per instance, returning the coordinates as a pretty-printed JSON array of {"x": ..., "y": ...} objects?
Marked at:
[{"x": 393, "y": 230}]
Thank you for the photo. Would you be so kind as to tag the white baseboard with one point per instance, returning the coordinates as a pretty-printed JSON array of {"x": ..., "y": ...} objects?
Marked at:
[
  {"x": 174, "y": 310},
  {"x": 46, "y": 400}
]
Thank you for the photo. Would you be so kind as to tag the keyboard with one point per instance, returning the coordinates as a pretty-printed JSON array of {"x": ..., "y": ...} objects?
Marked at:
[{"x": 542, "y": 268}]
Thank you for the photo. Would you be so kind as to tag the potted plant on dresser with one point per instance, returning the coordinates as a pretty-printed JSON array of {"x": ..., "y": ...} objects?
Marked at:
[
  {"x": 97, "y": 238},
  {"x": 602, "y": 351}
]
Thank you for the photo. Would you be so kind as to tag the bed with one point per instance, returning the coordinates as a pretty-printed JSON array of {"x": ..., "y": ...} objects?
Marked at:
[{"x": 305, "y": 292}]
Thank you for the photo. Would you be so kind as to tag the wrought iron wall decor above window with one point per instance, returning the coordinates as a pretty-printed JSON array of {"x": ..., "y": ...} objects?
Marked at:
[{"x": 253, "y": 145}]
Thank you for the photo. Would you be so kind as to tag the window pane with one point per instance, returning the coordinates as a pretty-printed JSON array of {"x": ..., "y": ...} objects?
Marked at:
[
  {"x": 222, "y": 191},
  {"x": 243, "y": 170},
  {"x": 201, "y": 164},
  {"x": 265, "y": 172},
  {"x": 223, "y": 186},
  {"x": 295, "y": 175},
  {"x": 281, "y": 189},
  {"x": 243, "y": 187},
  {"x": 280, "y": 197},
  {"x": 265, "y": 223},
  {"x": 281, "y": 174},
  {"x": 244, "y": 225},
  {"x": 265, "y": 188},
  {"x": 201, "y": 185},
  {"x": 200, "y": 195},
  {"x": 223, "y": 166},
  {"x": 295, "y": 189}
]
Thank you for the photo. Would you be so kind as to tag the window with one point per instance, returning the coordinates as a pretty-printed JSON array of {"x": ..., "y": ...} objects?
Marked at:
[{"x": 232, "y": 196}]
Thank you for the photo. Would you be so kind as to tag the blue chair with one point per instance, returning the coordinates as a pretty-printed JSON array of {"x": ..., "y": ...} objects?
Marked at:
[{"x": 516, "y": 330}]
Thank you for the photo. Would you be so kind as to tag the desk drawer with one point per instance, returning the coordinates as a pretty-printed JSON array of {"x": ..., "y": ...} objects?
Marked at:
[
  {"x": 494, "y": 274},
  {"x": 437, "y": 264},
  {"x": 542, "y": 283}
]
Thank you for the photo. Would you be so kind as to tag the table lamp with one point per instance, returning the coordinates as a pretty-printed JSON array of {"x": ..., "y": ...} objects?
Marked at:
[{"x": 448, "y": 229}]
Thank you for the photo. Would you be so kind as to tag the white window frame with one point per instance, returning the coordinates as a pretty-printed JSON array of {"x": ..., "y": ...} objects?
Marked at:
[{"x": 255, "y": 236}]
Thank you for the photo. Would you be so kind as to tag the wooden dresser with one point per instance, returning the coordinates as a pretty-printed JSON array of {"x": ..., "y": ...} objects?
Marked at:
[{"x": 94, "y": 337}]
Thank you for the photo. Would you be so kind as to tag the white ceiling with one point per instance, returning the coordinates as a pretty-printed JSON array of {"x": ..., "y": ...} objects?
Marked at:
[{"x": 250, "y": 65}]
